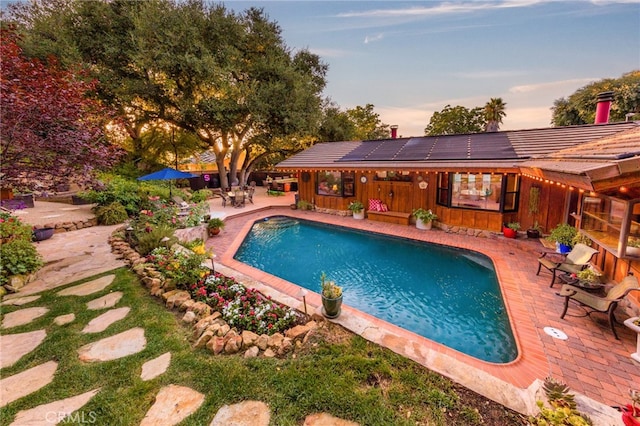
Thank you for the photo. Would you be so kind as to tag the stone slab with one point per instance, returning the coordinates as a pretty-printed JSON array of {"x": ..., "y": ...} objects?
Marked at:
[
  {"x": 120, "y": 345},
  {"x": 173, "y": 404},
  {"x": 26, "y": 382},
  {"x": 88, "y": 288},
  {"x": 245, "y": 413},
  {"x": 15, "y": 346},
  {"x": 107, "y": 301},
  {"x": 20, "y": 301},
  {"x": 102, "y": 322},
  {"x": 324, "y": 419},
  {"x": 64, "y": 319},
  {"x": 23, "y": 316},
  {"x": 155, "y": 367},
  {"x": 54, "y": 412}
]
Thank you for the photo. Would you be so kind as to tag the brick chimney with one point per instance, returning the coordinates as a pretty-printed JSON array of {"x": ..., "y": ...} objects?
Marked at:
[
  {"x": 394, "y": 131},
  {"x": 603, "y": 107}
]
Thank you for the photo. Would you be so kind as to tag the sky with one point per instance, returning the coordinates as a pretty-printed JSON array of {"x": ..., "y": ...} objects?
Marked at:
[{"x": 412, "y": 58}]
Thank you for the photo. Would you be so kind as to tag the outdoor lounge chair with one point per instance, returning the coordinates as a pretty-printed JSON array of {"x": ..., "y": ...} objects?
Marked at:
[
  {"x": 182, "y": 205},
  {"x": 577, "y": 259},
  {"x": 593, "y": 303}
]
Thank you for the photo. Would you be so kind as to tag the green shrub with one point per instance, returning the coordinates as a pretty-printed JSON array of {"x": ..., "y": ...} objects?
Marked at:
[
  {"x": 12, "y": 228},
  {"x": 563, "y": 234},
  {"x": 111, "y": 214},
  {"x": 150, "y": 238},
  {"x": 18, "y": 257},
  {"x": 200, "y": 195}
]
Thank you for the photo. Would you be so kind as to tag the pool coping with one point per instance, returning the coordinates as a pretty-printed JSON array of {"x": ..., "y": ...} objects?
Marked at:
[{"x": 516, "y": 384}]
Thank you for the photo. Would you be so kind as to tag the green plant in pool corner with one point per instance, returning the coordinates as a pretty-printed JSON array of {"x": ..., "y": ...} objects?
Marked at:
[
  {"x": 424, "y": 215},
  {"x": 562, "y": 410},
  {"x": 563, "y": 234},
  {"x": 329, "y": 288}
]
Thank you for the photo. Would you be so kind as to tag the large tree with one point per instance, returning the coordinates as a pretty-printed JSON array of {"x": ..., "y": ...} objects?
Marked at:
[
  {"x": 494, "y": 113},
  {"x": 51, "y": 131},
  {"x": 455, "y": 120},
  {"x": 227, "y": 78},
  {"x": 580, "y": 107}
]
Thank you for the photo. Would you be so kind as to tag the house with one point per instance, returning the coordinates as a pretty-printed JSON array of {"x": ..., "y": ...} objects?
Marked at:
[{"x": 484, "y": 180}]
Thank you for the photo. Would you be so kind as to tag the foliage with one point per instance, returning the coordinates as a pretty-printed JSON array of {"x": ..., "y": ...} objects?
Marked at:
[
  {"x": 183, "y": 268},
  {"x": 367, "y": 123},
  {"x": 534, "y": 200},
  {"x": 226, "y": 77},
  {"x": 563, "y": 410},
  {"x": 581, "y": 238},
  {"x": 304, "y": 205},
  {"x": 215, "y": 223},
  {"x": 493, "y": 114},
  {"x": 356, "y": 206},
  {"x": 51, "y": 130},
  {"x": 456, "y": 120},
  {"x": 195, "y": 215},
  {"x": 588, "y": 275},
  {"x": 563, "y": 234},
  {"x": 513, "y": 225},
  {"x": 149, "y": 238},
  {"x": 200, "y": 195},
  {"x": 424, "y": 215},
  {"x": 633, "y": 242},
  {"x": 19, "y": 256},
  {"x": 128, "y": 192},
  {"x": 580, "y": 107},
  {"x": 12, "y": 228},
  {"x": 111, "y": 214},
  {"x": 329, "y": 288}
]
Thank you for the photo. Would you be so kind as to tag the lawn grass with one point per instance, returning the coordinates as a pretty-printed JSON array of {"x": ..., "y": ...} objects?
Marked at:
[{"x": 335, "y": 372}]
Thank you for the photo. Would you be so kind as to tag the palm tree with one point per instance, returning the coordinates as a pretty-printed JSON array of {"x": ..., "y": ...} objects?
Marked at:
[{"x": 494, "y": 113}]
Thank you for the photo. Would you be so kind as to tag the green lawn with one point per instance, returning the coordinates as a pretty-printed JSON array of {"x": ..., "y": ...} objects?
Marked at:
[{"x": 335, "y": 372}]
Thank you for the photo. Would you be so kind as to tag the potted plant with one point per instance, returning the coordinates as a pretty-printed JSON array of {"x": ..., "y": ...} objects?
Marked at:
[
  {"x": 357, "y": 208},
  {"x": 534, "y": 207},
  {"x": 331, "y": 297},
  {"x": 563, "y": 236},
  {"x": 510, "y": 230},
  {"x": 631, "y": 412},
  {"x": 41, "y": 234},
  {"x": 214, "y": 225},
  {"x": 424, "y": 218},
  {"x": 633, "y": 247},
  {"x": 304, "y": 205},
  {"x": 634, "y": 324}
]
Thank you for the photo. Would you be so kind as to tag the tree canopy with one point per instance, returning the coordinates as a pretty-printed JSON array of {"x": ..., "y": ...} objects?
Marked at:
[
  {"x": 580, "y": 107},
  {"x": 227, "y": 78},
  {"x": 456, "y": 120},
  {"x": 51, "y": 131},
  {"x": 494, "y": 113}
]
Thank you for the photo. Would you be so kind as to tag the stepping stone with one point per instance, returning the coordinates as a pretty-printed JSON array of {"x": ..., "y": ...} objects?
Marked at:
[
  {"x": 123, "y": 344},
  {"x": 107, "y": 301},
  {"x": 15, "y": 346},
  {"x": 55, "y": 412},
  {"x": 23, "y": 316},
  {"x": 100, "y": 323},
  {"x": 246, "y": 413},
  {"x": 64, "y": 319},
  {"x": 88, "y": 287},
  {"x": 20, "y": 301},
  {"x": 26, "y": 382},
  {"x": 324, "y": 419},
  {"x": 155, "y": 367},
  {"x": 173, "y": 404}
]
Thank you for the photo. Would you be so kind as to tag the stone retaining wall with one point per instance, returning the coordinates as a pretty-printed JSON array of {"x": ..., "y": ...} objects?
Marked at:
[{"x": 69, "y": 226}]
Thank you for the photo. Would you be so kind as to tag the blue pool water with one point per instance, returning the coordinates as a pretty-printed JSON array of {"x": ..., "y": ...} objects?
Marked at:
[{"x": 445, "y": 294}]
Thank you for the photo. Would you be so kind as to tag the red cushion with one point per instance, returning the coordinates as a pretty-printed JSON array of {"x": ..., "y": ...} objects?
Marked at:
[
  {"x": 374, "y": 204},
  {"x": 384, "y": 207}
]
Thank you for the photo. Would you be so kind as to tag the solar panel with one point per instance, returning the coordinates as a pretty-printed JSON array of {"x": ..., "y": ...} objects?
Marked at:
[
  {"x": 386, "y": 150},
  {"x": 416, "y": 149},
  {"x": 362, "y": 151},
  {"x": 487, "y": 146},
  {"x": 454, "y": 147}
]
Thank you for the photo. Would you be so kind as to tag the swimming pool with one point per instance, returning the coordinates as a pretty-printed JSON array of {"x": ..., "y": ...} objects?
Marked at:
[{"x": 445, "y": 294}]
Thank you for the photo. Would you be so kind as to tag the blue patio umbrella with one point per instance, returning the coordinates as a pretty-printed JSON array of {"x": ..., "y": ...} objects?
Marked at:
[{"x": 167, "y": 174}]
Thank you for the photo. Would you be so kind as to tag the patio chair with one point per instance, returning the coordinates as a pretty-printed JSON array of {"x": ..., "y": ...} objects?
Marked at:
[
  {"x": 182, "y": 205},
  {"x": 252, "y": 189},
  {"x": 576, "y": 260},
  {"x": 239, "y": 198},
  {"x": 593, "y": 303},
  {"x": 225, "y": 198}
]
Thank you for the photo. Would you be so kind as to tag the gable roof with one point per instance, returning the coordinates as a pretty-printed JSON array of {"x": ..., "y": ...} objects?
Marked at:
[{"x": 496, "y": 150}]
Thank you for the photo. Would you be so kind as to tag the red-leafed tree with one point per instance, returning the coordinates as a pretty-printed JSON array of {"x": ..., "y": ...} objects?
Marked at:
[{"x": 51, "y": 133}]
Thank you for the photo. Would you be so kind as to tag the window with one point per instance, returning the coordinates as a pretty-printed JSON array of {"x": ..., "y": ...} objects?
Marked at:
[
  {"x": 483, "y": 191},
  {"x": 336, "y": 184}
]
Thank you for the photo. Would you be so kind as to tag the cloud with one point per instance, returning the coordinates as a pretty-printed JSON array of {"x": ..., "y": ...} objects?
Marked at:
[
  {"x": 527, "y": 88},
  {"x": 330, "y": 53},
  {"x": 446, "y": 8},
  {"x": 370, "y": 39}
]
